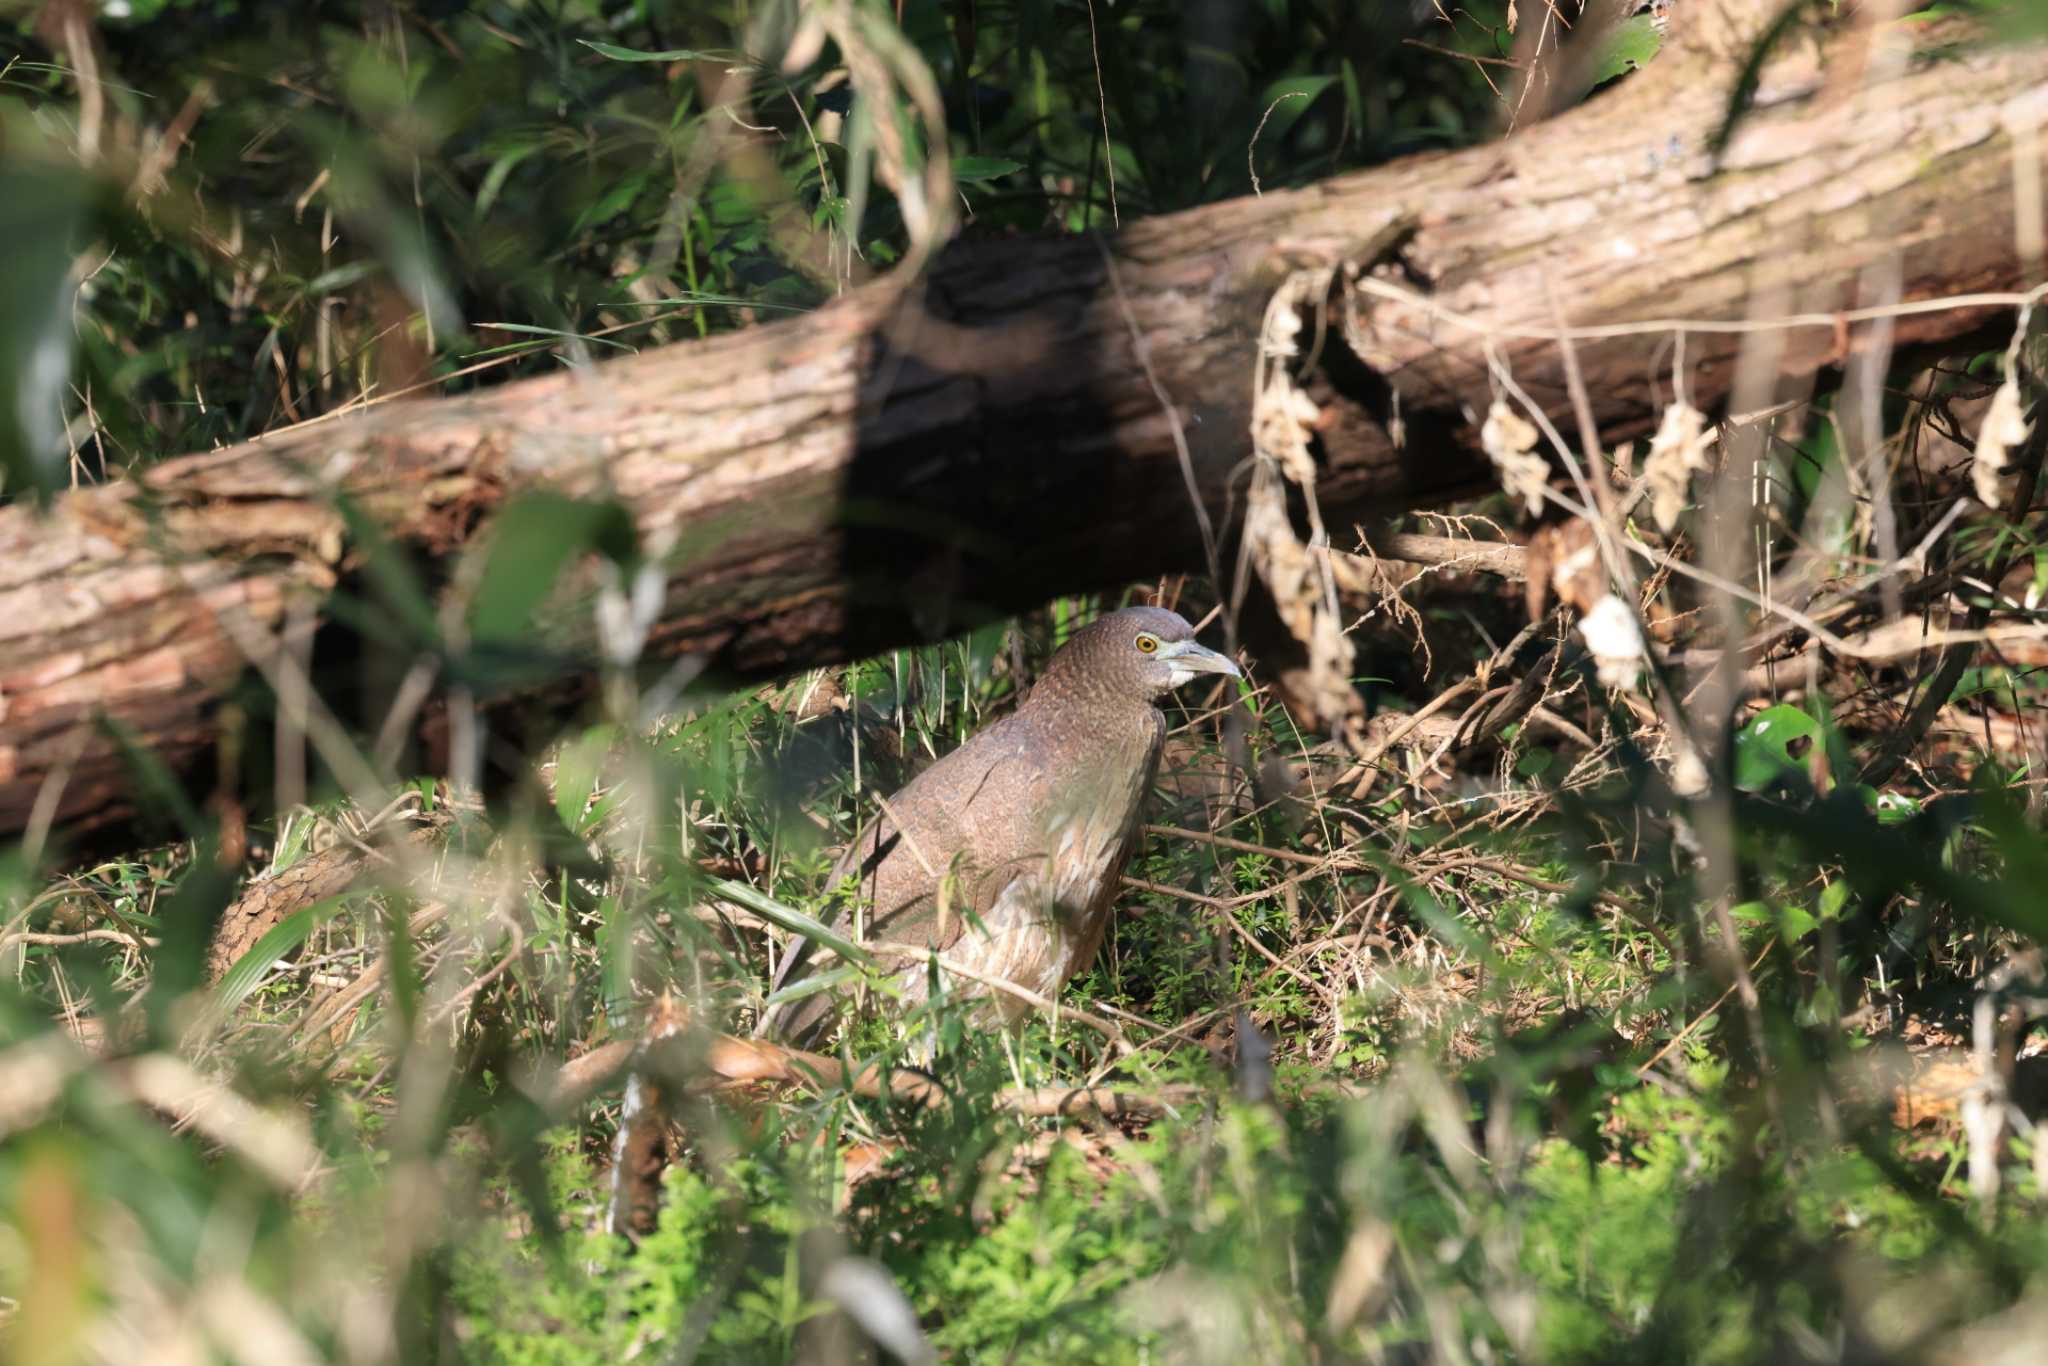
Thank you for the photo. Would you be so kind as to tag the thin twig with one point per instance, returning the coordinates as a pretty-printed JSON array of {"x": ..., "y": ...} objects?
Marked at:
[
  {"x": 1102, "y": 105},
  {"x": 80, "y": 937},
  {"x": 1474, "y": 57},
  {"x": 1180, "y": 437},
  {"x": 1251, "y": 152}
]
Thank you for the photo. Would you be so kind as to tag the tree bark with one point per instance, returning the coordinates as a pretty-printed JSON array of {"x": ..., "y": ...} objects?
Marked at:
[{"x": 914, "y": 458}]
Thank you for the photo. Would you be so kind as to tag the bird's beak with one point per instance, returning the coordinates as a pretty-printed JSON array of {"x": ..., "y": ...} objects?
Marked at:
[{"x": 1188, "y": 657}]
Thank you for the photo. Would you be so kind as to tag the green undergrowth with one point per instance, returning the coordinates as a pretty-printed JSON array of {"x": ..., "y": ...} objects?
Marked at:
[
  {"x": 1236, "y": 1231},
  {"x": 1518, "y": 1108}
]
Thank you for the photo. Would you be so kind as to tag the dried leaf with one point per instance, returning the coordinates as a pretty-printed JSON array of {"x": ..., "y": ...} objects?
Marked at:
[
  {"x": 2005, "y": 426},
  {"x": 1688, "y": 772},
  {"x": 1568, "y": 554},
  {"x": 1678, "y": 448},
  {"x": 1283, "y": 421},
  {"x": 1283, "y": 425},
  {"x": 1615, "y": 640},
  {"x": 1510, "y": 442}
]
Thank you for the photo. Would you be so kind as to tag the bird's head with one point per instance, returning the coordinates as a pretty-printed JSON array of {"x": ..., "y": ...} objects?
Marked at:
[{"x": 1141, "y": 653}]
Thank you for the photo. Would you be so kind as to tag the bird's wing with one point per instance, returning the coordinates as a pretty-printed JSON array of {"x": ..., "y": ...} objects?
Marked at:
[
  {"x": 891, "y": 874},
  {"x": 1001, "y": 801},
  {"x": 986, "y": 797}
]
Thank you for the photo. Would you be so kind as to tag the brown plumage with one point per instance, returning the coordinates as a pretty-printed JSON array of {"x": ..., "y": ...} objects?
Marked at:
[{"x": 1029, "y": 825}]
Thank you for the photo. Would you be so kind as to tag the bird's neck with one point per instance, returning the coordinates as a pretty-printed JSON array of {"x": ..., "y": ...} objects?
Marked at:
[{"x": 1108, "y": 706}]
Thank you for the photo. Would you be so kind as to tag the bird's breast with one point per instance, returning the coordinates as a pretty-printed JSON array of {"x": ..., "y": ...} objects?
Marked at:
[{"x": 1077, "y": 806}]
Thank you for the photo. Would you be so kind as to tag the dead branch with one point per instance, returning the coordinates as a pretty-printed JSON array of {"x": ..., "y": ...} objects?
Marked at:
[{"x": 724, "y": 1062}]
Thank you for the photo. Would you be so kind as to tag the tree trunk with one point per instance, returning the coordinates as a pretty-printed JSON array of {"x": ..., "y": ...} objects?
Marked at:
[{"x": 908, "y": 460}]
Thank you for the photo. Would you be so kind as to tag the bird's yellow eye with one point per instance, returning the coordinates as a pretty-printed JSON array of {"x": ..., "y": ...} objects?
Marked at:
[{"x": 1148, "y": 644}]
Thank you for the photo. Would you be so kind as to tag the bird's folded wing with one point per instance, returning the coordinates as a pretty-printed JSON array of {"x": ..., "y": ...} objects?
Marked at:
[{"x": 982, "y": 797}]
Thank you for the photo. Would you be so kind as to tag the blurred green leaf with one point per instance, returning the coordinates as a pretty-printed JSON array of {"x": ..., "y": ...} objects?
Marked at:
[
  {"x": 811, "y": 984},
  {"x": 1630, "y": 45},
  {"x": 2020, "y": 22},
  {"x": 358, "y": 191},
  {"x": 548, "y": 332},
  {"x": 674, "y": 54},
  {"x": 1795, "y": 923},
  {"x": 613, "y": 202},
  {"x": 41, "y": 212},
  {"x": 534, "y": 537},
  {"x": 340, "y": 278},
  {"x": 494, "y": 180},
  {"x": 281, "y": 939},
  {"x": 400, "y": 611},
  {"x": 1834, "y": 899},
  {"x": 577, "y": 769},
  {"x": 972, "y": 170},
  {"x": 186, "y": 925},
  {"x": 795, "y": 921}
]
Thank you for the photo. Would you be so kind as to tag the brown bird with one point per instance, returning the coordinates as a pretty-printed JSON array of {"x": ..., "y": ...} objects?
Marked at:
[{"x": 1008, "y": 859}]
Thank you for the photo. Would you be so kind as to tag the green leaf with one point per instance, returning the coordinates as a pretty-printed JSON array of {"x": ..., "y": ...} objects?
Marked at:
[
  {"x": 971, "y": 170},
  {"x": 153, "y": 781},
  {"x": 341, "y": 277},
  {"x": 611, "y": 204},
  {"x": 535, "y": 536},
  {"x": 298, "y": 834},
  {"x": 358, "y": 192},
  {"x": 2020, "y": 23},
  {"x": 1630, "y": 45},
  {"x": 811, "y": 985},
  {"x": 40, "y": 214},
  {"x": 286, "y": 935},
  {"x": 674, "y": 54},
  {"x": 494, "y": 179},
  {"x": 795, "y": 921},
  {"x": 399, "y": 608},
  {"x": 1764, "y": 749},
  {"x": 1795, "y": 923},
  {"x": 186, "y": 921},
  {"x": 531, "y": 330},
  {"x": 1834, "y": 899},
  {"x": 576, "y": 773},
  {"x": 615, "y": 958}
]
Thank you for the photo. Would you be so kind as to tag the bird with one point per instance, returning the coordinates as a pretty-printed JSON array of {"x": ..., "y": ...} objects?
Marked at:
[{"x": 1009, "y": 853}]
